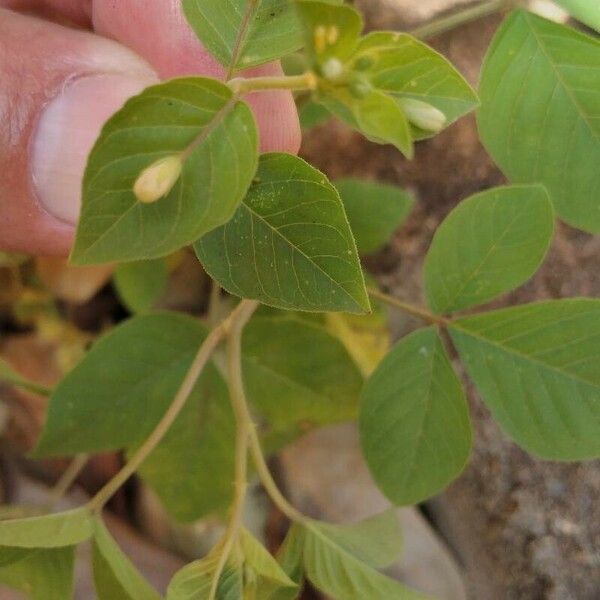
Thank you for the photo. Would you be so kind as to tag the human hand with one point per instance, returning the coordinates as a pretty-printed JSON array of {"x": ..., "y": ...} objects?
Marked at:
[{"x": 62, "y": 76}]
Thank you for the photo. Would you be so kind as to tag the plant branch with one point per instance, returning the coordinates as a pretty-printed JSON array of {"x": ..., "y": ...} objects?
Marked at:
[
  {"x": 243, "y": 85},
  {"x": 461, "y": 17},
  {"x": 67, "y": 479},
  {"x": 243, "y": 423},
  {"x": 202, "y": 357},
  {"x": 415, "y": 311}
]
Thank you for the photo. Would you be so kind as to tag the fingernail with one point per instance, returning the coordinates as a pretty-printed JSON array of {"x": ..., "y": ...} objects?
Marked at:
[{"x": 66, "y": 132}]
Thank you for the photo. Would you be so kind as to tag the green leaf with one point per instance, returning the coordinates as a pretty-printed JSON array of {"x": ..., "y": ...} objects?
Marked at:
[
  {"x": 245, "y": 33},
  {"x": 490, "y": 244},
  {"x": 115, "y": 577},
  {"x": 404, "y": 67},
  {"x": 375, "y": 211},
  {"x": 331, "y": 29},
  {"x": 341, "y": 575},
  {"x": 313, "y": 114},
  {"x": 381, "y": 119},
  {"x": 289, "y": 245},
  {"x": 263, "y": 575},
  {"x": 584, "y": 10},
  {"x": 192, "y": 469},
  {"x": 376, "y": 541},
  {"x": 538, "y": 370},
  {"x": 194, "y": 581},
  {"x": 191, "y": 113},
  {"x": 297, "y": 375},
  {"x": 41, "y": 574},
  {"x": 539, "y": 113},
  {"x": 10, "y": 376},
  {"x": 114, "y": 398},
  {"x": 289, "y": 557},
  {"x": 414, "y": 421},
  {"x": 116, "y": 395},
  {"x": 140, "y": 284},
  {"x": 49, "y": 531}
]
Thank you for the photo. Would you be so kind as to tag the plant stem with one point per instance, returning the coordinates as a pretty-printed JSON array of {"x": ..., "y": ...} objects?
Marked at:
[
  {"x": 461, "y": 17},
  {"x": 268, "y": 482},
  {"x": 207, "y": 348},
  {"x": 243, "y": 85},
  {"x": 243, "y": 423},
  {"x": 67, "y": 479},
  {"x": 415, "y": 311}
]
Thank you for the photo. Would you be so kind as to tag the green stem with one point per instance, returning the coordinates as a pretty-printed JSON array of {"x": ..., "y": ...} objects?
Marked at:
[
  {"x": 411, "y": 309},
  {"x": 202, "y": 357},
  {"x": 67, "y": 479},
  {"x": 243, "y": 85},
  {"x": 238, "y": 403},
  {"x": 268, "y": 482},
  {"x": 461, "y": 17}
]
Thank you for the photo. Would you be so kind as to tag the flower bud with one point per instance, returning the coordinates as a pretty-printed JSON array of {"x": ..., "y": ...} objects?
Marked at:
[
  {"x": 332, "y": 69},
  {"x": 158, "y": 179},
  {"x": 363, "y": 63},
  {"x": 423, "y": 115}
]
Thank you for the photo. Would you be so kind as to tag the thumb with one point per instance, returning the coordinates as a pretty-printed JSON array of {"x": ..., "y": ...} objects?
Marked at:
[{"x": 58, "y": 87}]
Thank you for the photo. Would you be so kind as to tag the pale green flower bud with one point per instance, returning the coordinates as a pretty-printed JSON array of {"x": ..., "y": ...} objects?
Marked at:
[
  {"x": 332, "y": 69},
  {"x": 423, "y": 115},
  {"x": 158, "y": 179}
]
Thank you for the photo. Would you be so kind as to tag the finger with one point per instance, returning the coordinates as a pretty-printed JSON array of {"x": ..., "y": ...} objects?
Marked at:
[
  {"x": 59, "y": 85},
  {"x": 158, "y": 31},
  {"x": 78, "y": 12}
]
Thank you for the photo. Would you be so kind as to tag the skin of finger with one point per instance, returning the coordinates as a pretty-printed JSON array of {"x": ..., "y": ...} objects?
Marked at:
[
  {"x": 76, "y": 12},
  {"x": 30, "y": 80}
]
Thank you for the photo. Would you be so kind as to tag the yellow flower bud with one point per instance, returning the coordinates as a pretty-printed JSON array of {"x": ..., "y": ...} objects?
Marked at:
[
  {"x": 158, "y": 179},
  {"x": 320, "y": 38},
  {"x": 423, "y": 115}
]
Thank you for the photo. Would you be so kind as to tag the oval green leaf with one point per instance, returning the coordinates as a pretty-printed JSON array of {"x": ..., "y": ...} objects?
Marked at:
[
  {"x": 490, "y": 244},
  {"x": 538, "y": 370},
  {"x": 190, "y": 113},
  {"x": 49, "y": 531},
  {"x": 375, "y": 211},
  {"x": 539, "y": 113},
  {"x": 289, "y": 244},
  {"x": 334, "y": 570},
  {"x": 414, "y": 422},
  {"x": 140, "y": 284},
  {"x": 245, "y": 33},
  {"x": 115, "y": 577}
]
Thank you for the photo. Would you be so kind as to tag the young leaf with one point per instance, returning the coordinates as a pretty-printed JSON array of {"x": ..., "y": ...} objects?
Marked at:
[
  {"x": 139, "y": 284},
  {"x": 331, "y": 29},
  {"x": 49, "y": 531},
  {"x": 193, "y": 114},
  {"x": 414, "y": 421},
  {"x": 376, "y": 541},
  {"x": 339, "y": 574},
  {"x": 538, "y": 118},
  {"x": 115, "y": 577},
  {"x": 245, "y": 33},
  {"x": 399, "y": 65},
  {"x": 264, "y": 577},
  {"x": 375, "y": 211},
  {"x": 537, "y": 369},
  {"x": 490, "y": 244},
  {"x": 194, "y": 581},
  {"x": 41, "y": 574},
  {"x": 289, "y": 245}
]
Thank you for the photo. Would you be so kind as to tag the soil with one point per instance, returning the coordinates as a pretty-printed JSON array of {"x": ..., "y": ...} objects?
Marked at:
[{"x": 524, "y": 529}]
